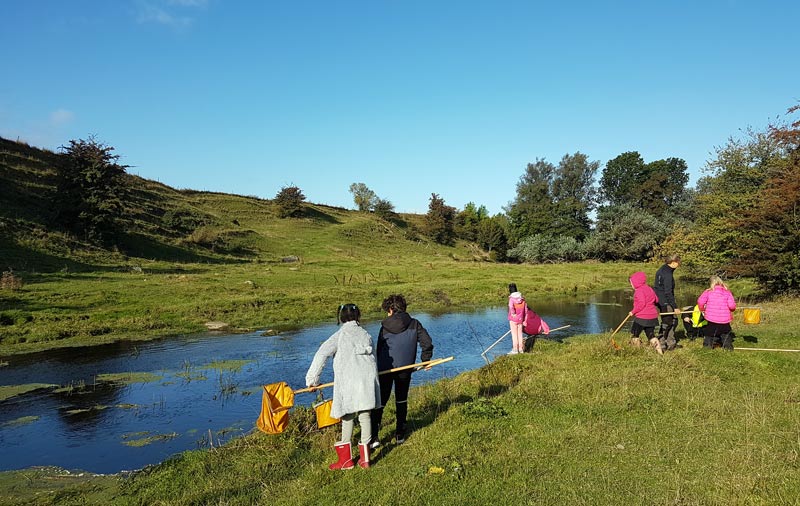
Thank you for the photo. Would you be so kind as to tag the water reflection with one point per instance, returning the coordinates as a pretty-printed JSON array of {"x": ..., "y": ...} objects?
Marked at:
[{"x": 89, "y": 429}]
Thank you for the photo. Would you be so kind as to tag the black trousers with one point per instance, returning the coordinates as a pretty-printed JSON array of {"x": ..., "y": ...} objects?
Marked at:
[
  {"x": 401, "y": 381},
  {"x": 636, "y": 331}
]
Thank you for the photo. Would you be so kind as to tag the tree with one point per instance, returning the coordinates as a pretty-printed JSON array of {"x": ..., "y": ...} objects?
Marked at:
[
  {"x": 383, "y": 208},
  {"x": 467, "y": 221},
  {"x": 440, "y": 221},
  {"x": 663, "y": 185},
  {"x": 289, "y": 201},
  {"x": 624, "y": 232},
  {"x": 653, "y": 187},
  {"x": 573, "y": 196},
  {"x": 620, "y": 179},
  {"x": 364, "y": 198},
  {"x": 771, "y": 252},
  {"x": 91, "y": 189},
  {"x": 492, "y": 236},
  {"x": 532, "y": 210}
]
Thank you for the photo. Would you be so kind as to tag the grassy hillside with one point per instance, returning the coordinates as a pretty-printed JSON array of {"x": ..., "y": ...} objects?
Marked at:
[{"x": 186, "y": 258}]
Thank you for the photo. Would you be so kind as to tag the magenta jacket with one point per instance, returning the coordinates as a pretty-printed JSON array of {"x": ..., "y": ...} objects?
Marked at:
[
  {"x": 516, "y": 308},
  {"x": 717, "y": 305},
  {"x": 644, "y": 297}
]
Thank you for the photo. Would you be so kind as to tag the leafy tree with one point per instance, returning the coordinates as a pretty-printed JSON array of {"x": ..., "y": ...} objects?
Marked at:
[
  {"x": 624, "y": 232},
  {"x": 532, "y": 210},
  {"x": 730, "y": 191},
  {"x": 664, "y": 185},
  {"x": 620, "y": 178},
  {"x": 383, "y": 208},
  {"x": 440, "y": 221},
  {"x": 653, "y": 187},
  {"x": 492, "y": 236},
  {"x": 468, "y": 220},
  {"x": 289, "y": 201},
  {"x": 91, "y": 189},
  {"x": 771, "y": 251},
  {"x": 364, "y": 198},
  {"x": 574, "y": 196}
]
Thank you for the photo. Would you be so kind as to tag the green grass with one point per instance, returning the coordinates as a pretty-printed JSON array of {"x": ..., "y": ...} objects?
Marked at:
[
  {"x": 9, "y": 391},
  {"x": 575, "y": 423}
]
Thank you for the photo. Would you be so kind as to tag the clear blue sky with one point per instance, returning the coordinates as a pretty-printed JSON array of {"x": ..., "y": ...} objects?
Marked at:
[{"x": 409, "y": 97}]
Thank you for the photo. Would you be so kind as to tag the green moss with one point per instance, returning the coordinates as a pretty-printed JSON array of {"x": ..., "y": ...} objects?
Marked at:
[
  {"x": 24, "y": 420},
  {"x": 150, "y": 439},
  {"x": 9, "y": 391},
  {"x": 128, "y": 378},
  {"x": 227, "y": 365}
]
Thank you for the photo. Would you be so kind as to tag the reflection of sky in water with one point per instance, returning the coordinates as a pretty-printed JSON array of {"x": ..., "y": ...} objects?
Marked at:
[{"x": 93, "y": 440}]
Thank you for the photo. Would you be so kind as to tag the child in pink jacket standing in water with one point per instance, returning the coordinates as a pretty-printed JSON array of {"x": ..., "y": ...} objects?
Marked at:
[
  {"x": 516, "y": 318},
  {"x": 644, "y": 311},
  {"x": 717, "y": 304}
]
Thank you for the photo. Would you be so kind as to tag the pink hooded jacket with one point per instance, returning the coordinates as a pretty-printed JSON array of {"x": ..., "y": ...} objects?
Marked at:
[
  {"x": 717, "y": 305},
  {"x": 644, "y": 297},
  {"x": 516, "y": 308}
]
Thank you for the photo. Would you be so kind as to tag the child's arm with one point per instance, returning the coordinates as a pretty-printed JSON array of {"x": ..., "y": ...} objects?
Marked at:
[{"x": 327, "y": 349}]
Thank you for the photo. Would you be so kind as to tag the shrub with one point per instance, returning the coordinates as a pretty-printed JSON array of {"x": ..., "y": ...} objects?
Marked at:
[
  {"x": 10, "y": 282},
  {"x": 541, "y": 248},
  {"x": 290, "y": 201}
]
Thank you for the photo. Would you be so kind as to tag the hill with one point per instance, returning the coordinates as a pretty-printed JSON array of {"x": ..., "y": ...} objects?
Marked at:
[
  {"x": 183, "y": 258},
  {"x": 158, "y": 222}
]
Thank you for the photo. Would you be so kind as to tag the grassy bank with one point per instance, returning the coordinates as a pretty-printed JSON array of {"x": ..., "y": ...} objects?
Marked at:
[
  {"x": 158, "y": 299},
  {"x": 576, "y": 423}
]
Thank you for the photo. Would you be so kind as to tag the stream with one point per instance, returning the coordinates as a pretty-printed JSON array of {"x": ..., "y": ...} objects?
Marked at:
[{"x": 185, "y": 393}]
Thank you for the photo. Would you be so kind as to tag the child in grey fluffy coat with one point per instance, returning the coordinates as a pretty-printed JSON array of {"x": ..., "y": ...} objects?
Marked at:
[{"x": 355, "y": 383}]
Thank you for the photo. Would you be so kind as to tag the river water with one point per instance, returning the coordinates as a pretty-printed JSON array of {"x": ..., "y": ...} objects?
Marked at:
[{"x": 106, "y": 427}]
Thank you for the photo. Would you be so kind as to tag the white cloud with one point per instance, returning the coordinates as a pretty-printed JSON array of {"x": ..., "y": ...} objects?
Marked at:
[
  {"x": 149, "y": 13},
  {"x": 189, "y": 3},
  {"x": 61, "y": 117}
]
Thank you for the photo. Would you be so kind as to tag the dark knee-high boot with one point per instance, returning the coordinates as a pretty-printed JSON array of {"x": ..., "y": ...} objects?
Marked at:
[{"x": 727, "y": 341}]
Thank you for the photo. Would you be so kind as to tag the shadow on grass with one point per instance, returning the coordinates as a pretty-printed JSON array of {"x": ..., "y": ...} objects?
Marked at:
[
  {"x": 316, "y": 214},
  {"x": 146, "y": 247}
]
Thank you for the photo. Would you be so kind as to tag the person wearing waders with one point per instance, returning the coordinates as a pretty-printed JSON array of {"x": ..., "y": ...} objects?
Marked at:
[
  {"x": 665, "y": 291},
  {"x": 355, "y": 383},
  {"x": 398, "y": 339}
]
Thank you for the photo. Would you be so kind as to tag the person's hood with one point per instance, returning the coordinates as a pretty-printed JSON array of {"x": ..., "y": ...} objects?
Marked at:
[
  {"x": 638, "y": 279},
  {"x": 516, "y": 295},
  {"x": 396, "y": 323}
]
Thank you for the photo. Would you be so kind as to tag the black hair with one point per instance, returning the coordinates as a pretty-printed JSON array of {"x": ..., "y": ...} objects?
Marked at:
[
  {"x": 512, "y": 287},
  {"x": 397, "y": 303},
  {"x": 348, "y": 313}
]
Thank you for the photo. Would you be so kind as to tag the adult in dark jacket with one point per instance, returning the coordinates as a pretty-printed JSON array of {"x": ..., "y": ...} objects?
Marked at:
[
  {"x": 665, "y": 290},
  {"x": 397, "y": 347}
]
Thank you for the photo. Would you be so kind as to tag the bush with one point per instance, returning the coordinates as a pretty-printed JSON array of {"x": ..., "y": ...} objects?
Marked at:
[
  {"x": 289, "y": 201},
  {"x": 541, "y": 248},
  {"x": 10, "y": 282}
]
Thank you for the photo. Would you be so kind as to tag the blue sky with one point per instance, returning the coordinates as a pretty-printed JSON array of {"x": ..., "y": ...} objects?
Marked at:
[{"x": 408, "y": 97}]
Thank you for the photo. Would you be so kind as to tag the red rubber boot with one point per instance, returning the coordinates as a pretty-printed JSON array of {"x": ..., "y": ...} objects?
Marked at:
[
  {"x": 363, "y": 454},
  {"x": 344, "y": 452}
]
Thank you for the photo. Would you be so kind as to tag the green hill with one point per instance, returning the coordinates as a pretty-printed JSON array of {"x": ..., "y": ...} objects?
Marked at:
[
  {"x": 183, "y": 258},
  {"x": 158, "y": 223}
]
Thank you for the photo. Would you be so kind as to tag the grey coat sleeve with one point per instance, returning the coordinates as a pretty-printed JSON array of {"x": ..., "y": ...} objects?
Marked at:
[{"x": 325, "y": 351}]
